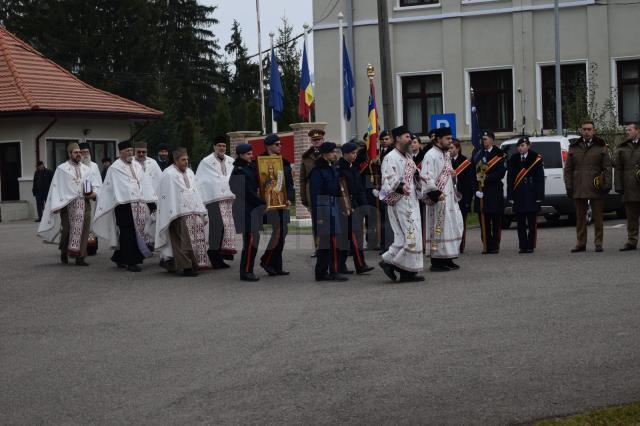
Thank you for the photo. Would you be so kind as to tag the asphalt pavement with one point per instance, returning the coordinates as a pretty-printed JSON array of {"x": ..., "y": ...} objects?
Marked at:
[{"x": 507, "y": 339}]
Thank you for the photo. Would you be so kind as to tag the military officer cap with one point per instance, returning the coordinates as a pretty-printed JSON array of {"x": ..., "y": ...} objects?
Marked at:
[
  {"x": 316, "y": 134},
  {"x": 489, "y": 134},
  {"x": 441, "y": 132},
  {"x": 124, "y": 145},
  {"x": 243, "y": 148},
  {"x": 348, "y": 147},
  {"x": 384, "y": 134},
  {"x": 220, "y": 139},
  {"x": 271, "y": 139},
  {"x": 399, "y": 131},
  {"x": 327, "y": 147},
  {"x": 524, "y": 140},
  {"x": 83, "y": 145}
]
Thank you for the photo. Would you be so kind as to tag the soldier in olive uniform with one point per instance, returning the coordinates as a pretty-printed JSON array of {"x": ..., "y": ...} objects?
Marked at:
[
  {"x": 489, "y": 202},
  {"x": 308, "y": 162},
  {"x": 627, "y": 182},
  {"x": 525, "y": 190},
  {"x": 587, "y": 178}
]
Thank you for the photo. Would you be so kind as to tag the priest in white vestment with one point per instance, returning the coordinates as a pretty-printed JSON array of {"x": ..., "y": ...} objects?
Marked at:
[
  {"x": 443, "y": 219},
  {"x": 153, "y": 172},
  {"x": 212, "y": 178},
  {"x": 181, "y": 234},
  {"x": 85, "y": 152},
  {"x": 120, "y": 217},
  {"x": 67, "y": 214},
  {"x": 400, "y": 189}
]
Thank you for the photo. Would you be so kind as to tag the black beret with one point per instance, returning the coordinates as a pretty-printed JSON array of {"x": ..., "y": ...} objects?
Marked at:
[
  {"x": 124, "y": 145},
  {"x": 489, "y": 134},
  {"x": 442, "y": 132},
  {"x": 327, "y": 147},
  {"x": 83, "y": 145},
  {"x": 384, "y": 134},
  {"x": 524, "y": 139},
  {"x": 432, "y": 132},
  {"x": 243, "y": 148},
  {"x": 271, "y": 139},
  {"x": 399, "y": 131},
  {"x": 348, "y": 147}
]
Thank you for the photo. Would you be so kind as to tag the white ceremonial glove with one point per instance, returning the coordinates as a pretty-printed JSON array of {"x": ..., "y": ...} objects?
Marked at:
[
  {"x": 479, "y": 194},
  {"x": 375, "y": 193}
]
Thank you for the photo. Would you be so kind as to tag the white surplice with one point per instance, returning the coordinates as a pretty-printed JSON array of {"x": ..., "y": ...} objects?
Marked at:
[
  {"x": 125, "y": 183},
  {"x": 154, "y": 174},
  {"x": 67, "y": 186},
  {"x": 438, "y": 175},
  {"x": 399, "y": 170}
]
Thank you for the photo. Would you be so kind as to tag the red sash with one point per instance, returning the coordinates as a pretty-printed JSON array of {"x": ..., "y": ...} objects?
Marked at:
[
  {"x": 523, "y": 172},
  {"x": 495, "y": 160},
  {"x": 462, "y": 167}
]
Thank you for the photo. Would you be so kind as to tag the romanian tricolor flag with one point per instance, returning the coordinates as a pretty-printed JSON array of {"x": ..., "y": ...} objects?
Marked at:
[
  {"x": 374, "y": 129},
  {"x": 305, "y": 100}
]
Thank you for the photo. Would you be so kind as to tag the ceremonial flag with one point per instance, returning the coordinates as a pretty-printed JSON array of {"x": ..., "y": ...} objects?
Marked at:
[
  {"x": 305, "y": 99},
  {"x": 348, "y": 82},
  {"x": 276, "y": 95},
  {"x": 374, "y": 130},
  {"x": 476, "y": 139}
]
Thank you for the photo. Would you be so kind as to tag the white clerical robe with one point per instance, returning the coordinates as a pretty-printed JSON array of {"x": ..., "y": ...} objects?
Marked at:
[
  {"x": 153, "y": 172},
  {"x": 67, "y": 187},
  {"x": 125, "y": 183},
  {"x": 398, "y": 172},
  {"x": 443, "y": 220},
  {"x": 96, "y": 178},
  {"x": 178, "y": 197}
]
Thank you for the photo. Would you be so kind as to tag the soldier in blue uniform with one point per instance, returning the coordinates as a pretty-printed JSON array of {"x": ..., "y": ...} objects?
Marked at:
[
  {"x": 465, "y": 183},
  {"x": 353, "y": 199},
  {"x": 525, "y": 190},
  {"x": 271, "y": 260},
  {"x": 324, "y": 187},
  {"x": 248, "y": 208},
  {"x": 489, "y": 202}
]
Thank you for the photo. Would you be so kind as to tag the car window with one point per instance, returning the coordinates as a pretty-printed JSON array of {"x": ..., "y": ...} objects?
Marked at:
[{"x": 550, "y": 152}]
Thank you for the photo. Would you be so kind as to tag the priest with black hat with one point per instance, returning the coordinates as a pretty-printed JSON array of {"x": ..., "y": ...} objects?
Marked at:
[
  {"x": 400, "y": 190},
  {"x": 121, "y": 212},
  {"x": 163, "y": 159},
  {"x": 271, "y": 260},
  {"x": 324, "y": 187}
]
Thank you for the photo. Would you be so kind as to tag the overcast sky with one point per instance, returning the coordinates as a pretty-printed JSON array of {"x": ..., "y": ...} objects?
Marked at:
[{"x": 297, "y": 12}]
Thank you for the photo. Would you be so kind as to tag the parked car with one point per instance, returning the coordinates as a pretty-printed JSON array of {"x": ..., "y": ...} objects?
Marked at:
[{"x": 554, "y": 151}]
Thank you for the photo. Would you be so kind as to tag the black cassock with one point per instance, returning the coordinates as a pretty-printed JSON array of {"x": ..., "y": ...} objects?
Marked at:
[{"x": 128, "y": 253}]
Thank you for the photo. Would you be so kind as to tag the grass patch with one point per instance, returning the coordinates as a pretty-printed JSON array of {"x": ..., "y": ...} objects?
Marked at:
[{"x": 619, "y": 415}]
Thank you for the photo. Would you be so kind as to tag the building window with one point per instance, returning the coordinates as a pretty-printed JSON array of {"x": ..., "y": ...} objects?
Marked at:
[
  {"x": 57, "y": 151},
  {"x": 101, "y": 150},
  {"x": 629, "y": 91},
  {"x": 493, "y": 92},
  {"x": 421, "y": 98},
  {"x": 573, "y": 83},
  {"x": 409, "y": 3}
]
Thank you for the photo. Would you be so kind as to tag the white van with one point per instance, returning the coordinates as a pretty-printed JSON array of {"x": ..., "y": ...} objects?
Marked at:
[{"x": 554, "y": 151}]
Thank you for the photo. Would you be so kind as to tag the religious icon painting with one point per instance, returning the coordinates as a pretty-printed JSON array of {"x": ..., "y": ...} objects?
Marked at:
[{"x": 272, "y": 184}]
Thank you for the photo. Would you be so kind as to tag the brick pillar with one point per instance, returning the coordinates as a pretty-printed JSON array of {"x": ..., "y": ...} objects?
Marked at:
[
  {"x": 240, "y": 137},
  {"x": 302, "y": 143}
]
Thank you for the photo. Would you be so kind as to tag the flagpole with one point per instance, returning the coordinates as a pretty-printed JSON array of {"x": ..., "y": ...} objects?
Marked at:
[
  {"x": 274, "y": 123},
  {"x": 264, "y": 126},
  {"x": 306, "y": 30},
  {"x": 343, "y": 125}
]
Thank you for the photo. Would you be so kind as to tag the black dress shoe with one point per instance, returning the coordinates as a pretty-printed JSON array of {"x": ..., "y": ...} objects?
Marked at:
[
  {"x": 281, "y": 272},
  {"x": 440, "y": 268},
  {"x": 364, "y": 269},
  {"x": 411, "y": 279},
  {"x": 220, "y": 265},
  {"x": 189, "y": 272},
  {"x": 134, "y": 268},
  {"x": 529, "y": 250},
  {"x": 494, "y": 251},
  {"x": 337, "y": 277},
  {"x": 628, "y": 247},
  {"x": 452, "y": 266},
  {"x": 345, "y": 271},
  {"x": 388, "y": 270},
  {"x": 578, "y": 249},
  {"x": 521, "y": 251},
  {"x": 80, "y": 262},
  {"x": 249, "y": 277},
  {"x": 599, "y": 249},
  {"x": 270, "y": 270},
  {"x": 123, "y": 266},
  {"x": 64, "y": 258}
]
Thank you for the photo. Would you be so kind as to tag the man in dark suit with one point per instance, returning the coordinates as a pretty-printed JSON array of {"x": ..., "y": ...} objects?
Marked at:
[
  {"x": 489, "y": 204},
  {"x": 41, "y": 183},
  {"x": 248, "y": 208},
  {"x": 525, "y": 191}
]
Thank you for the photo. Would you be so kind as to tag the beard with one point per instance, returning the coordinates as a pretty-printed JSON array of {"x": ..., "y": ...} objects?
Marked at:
[
  {"x": 129, "y": 159},
  {"x": 86, "y": 160}
]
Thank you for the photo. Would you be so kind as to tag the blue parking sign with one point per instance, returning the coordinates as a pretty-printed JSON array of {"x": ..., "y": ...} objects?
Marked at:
[{"x": 444, "y": 120}]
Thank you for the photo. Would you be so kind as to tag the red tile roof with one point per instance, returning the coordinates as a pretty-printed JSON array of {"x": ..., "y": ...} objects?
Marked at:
[{"x": 31, "y": 82}]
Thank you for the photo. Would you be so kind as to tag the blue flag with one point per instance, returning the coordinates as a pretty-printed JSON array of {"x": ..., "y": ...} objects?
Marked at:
[
  {"x": 276, "y": 95},
  {"x": 476, "y": 140},
  {"x": 348, "y": 82}
]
